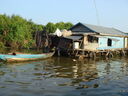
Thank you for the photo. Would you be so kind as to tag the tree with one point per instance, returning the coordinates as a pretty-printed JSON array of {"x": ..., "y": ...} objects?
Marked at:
[
  {"x": 50, "y": 27},
  {"x": 68, "y": 25},
  {"x": 62, "y": 25},
  {"x": 17, "y": 32}
]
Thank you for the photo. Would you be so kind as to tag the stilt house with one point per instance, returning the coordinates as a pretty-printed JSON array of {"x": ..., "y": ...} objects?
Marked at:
[{"x": 94, "y": 38}]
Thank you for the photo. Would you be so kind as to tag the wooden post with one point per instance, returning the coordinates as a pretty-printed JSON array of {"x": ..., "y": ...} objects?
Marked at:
[
  {"x": 109, "y": 54},
  {"x": 83, "y": 53},
  {"x": 94, "y": 55},
  {"x": 81, "y": 57},
  {"x": 58, "y": 51},
  {"x": 123, "y": 52}
]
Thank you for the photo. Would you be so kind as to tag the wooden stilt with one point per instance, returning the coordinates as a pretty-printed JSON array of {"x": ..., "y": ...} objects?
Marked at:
[
  {"x": 81, "y": 57},
  {"x": 58, "y": 52},
  {"x": 109, "y": 54},
  {"x": 94, "y": 56},
  {"x": 123, "y": 52},
  {"x": 91, "y": 54}
]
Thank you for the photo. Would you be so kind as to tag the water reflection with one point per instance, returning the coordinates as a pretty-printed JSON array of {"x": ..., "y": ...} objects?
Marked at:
[
  {"x": 75, "y": 69},
  {"x": 64, "y": 77}
]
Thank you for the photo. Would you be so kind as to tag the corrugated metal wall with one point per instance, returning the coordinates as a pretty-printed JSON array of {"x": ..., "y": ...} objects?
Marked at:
[{"x": 117, "y": 43}]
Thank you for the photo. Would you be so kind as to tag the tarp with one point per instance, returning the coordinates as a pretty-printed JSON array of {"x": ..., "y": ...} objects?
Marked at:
[{"x": 58, "y": 32}]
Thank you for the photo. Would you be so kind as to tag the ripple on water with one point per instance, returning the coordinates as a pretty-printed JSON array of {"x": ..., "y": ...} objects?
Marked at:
[
  {"x": 64, "y": 77},
  {"x": 2, "y": 73}
]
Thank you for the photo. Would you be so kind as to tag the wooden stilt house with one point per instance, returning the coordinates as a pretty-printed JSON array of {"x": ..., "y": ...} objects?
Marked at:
[
  {"x": 100, "y": 38},
  {"x": 94, "y": 38}
]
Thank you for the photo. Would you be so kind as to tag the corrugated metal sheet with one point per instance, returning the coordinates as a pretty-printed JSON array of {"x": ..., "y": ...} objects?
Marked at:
[
  {"x": 105, "y": 30},
  {"x": 103, "y": 43},
  {"x": 74, "y": 37}
]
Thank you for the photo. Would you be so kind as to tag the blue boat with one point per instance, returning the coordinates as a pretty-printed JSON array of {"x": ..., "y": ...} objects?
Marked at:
[{"x": 24, "y": 57}]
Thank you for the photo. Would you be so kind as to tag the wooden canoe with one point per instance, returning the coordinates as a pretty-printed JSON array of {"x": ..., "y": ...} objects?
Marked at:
[{"x": 24, "y": 57}]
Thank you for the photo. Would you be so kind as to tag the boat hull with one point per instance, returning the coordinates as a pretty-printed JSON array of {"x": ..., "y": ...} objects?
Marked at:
[{"x": 24, "y": 57}]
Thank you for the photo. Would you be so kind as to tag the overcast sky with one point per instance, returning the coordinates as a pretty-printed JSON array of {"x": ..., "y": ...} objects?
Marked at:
[{"x": 112, "y": 13}]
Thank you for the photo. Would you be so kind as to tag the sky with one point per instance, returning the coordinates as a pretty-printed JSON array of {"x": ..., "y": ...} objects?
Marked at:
[{"x": 111, "y": 13}]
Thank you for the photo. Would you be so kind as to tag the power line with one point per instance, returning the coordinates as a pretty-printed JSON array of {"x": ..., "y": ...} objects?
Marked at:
[{"x": 97, "y": 14}]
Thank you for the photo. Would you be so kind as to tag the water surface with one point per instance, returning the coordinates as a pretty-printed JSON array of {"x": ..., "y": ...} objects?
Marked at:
[{"x": 61, "y": 76}]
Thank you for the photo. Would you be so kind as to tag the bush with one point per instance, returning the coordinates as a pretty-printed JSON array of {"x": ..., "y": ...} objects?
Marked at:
[{"x": 2, "y": 45}]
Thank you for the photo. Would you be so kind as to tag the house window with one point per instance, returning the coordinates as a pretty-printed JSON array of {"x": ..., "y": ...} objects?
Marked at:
[
  {"x": 109, "y": 42},
  {"x": 92, "y": 39}
]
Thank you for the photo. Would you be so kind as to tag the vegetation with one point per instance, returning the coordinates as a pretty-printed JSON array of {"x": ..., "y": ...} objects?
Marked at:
[
  {"x": 50, "y": 27},
  {"x": 17, "y": 32}
]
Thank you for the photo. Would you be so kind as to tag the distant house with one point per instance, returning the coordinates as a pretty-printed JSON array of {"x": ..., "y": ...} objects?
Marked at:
[{"x": 92, "y": 37}]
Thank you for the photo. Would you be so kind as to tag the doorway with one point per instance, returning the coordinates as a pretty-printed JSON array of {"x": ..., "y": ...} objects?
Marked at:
[{"x": 109, "y": 42}]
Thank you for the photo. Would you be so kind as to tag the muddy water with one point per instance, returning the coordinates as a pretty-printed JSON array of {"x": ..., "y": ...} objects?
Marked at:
[{"x": 65, "y": 77}]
